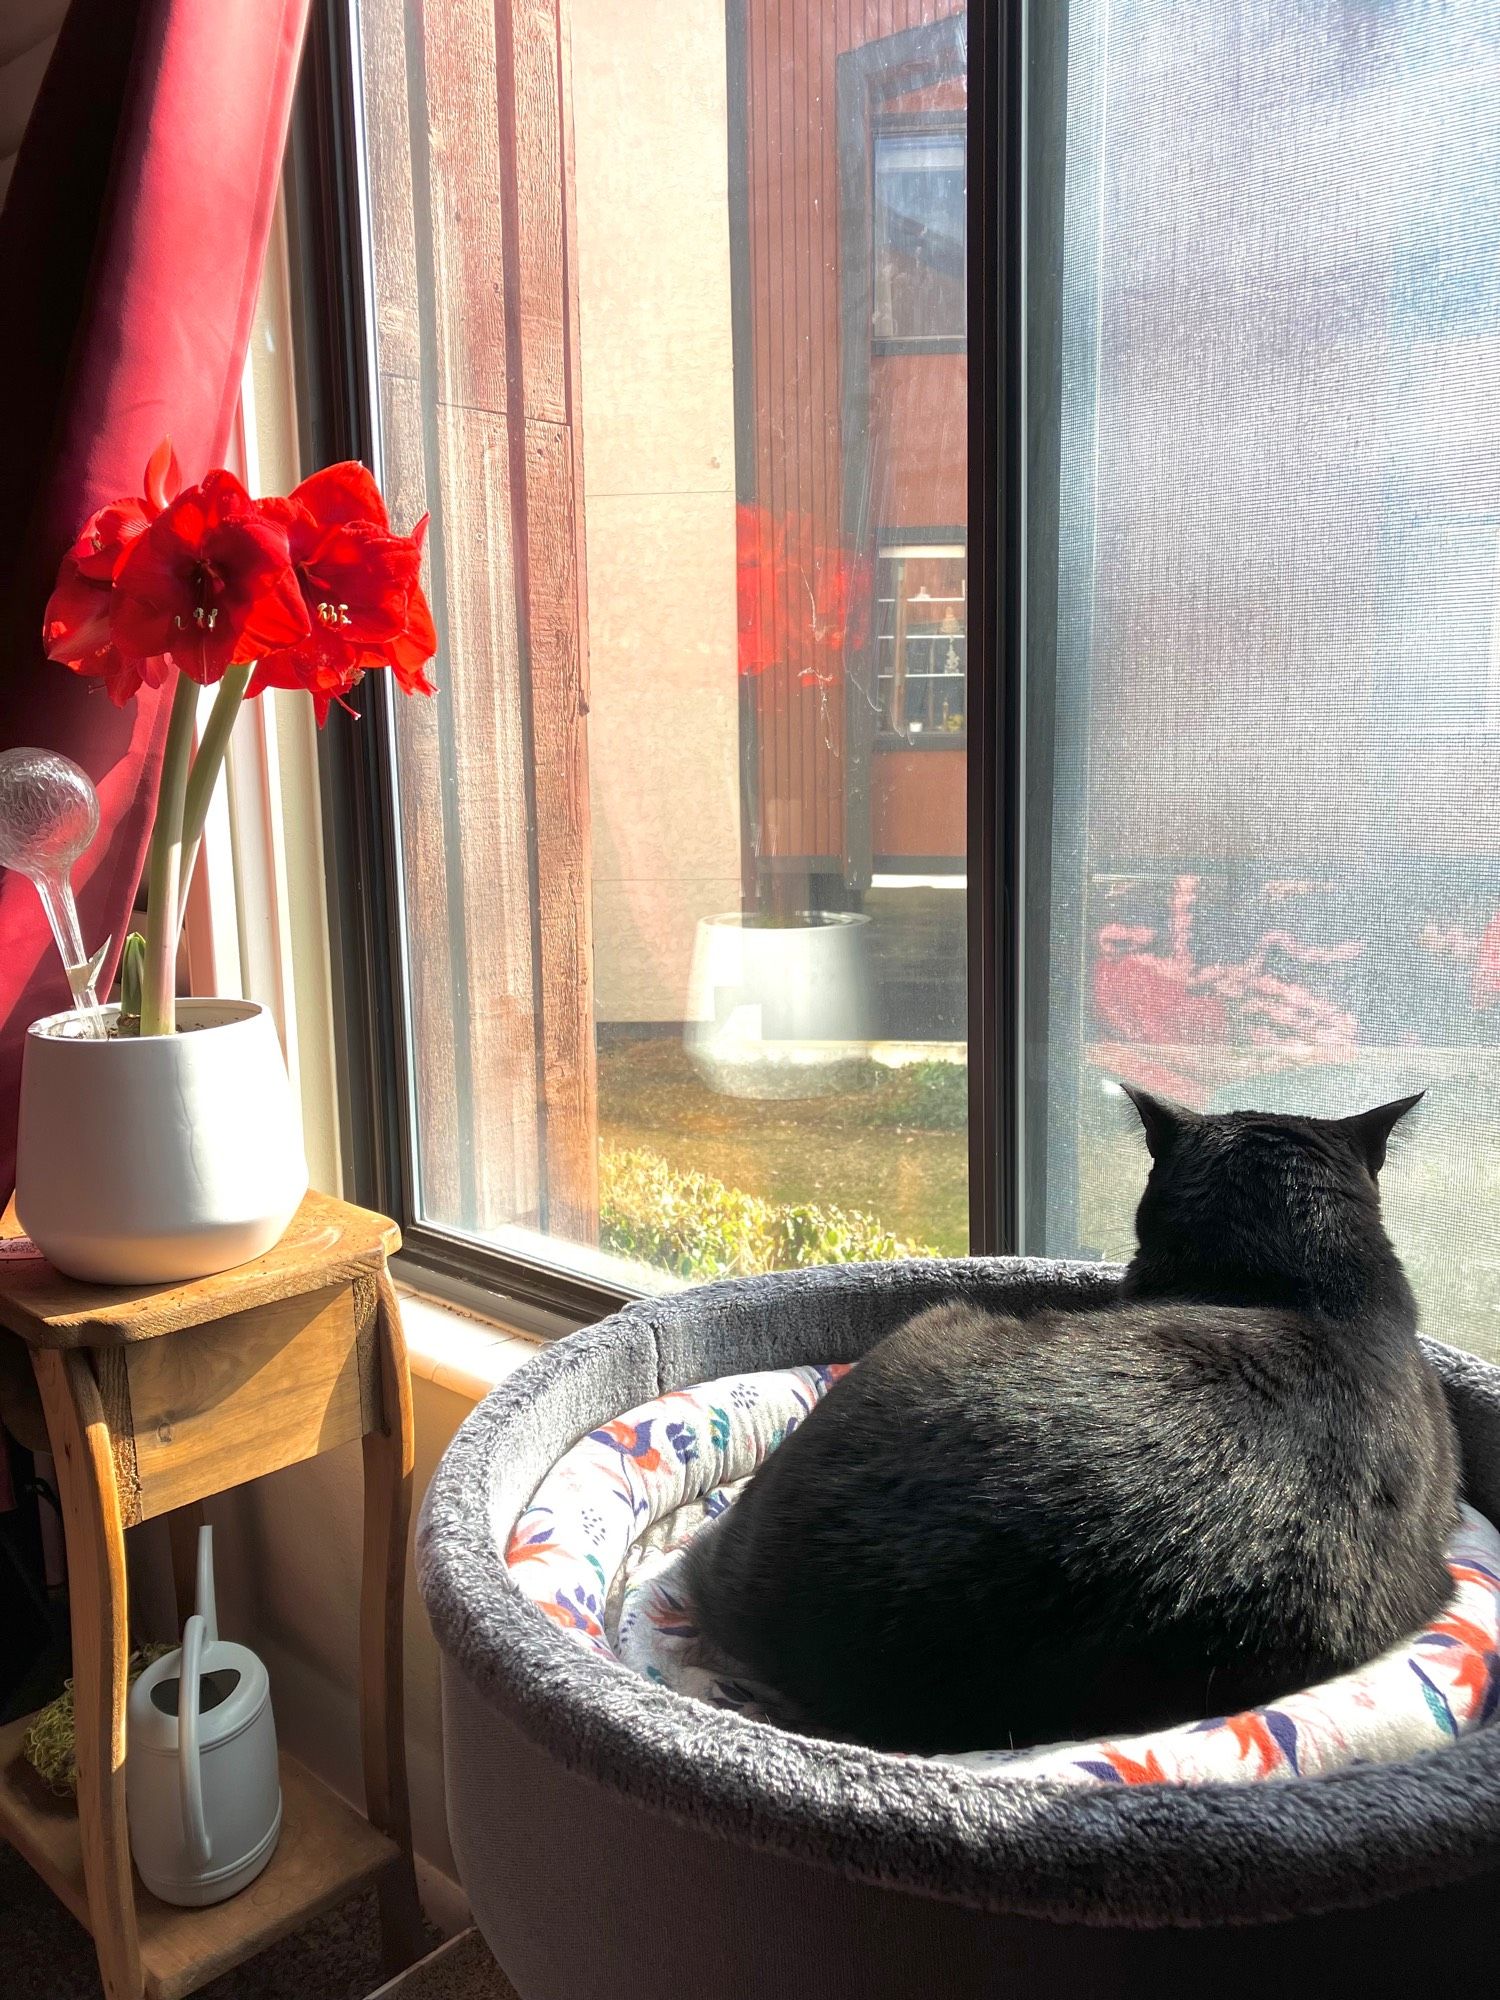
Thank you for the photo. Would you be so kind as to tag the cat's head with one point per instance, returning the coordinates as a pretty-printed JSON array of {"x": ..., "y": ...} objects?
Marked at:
[{"x": 1256, "y": 1206}]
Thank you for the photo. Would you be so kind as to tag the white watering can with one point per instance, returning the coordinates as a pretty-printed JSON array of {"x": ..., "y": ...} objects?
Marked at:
[{"x": 202, "y": 1784}]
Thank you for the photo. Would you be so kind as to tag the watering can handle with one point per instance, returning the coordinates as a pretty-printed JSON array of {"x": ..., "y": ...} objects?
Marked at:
[{"x": 189, "y": 1764}]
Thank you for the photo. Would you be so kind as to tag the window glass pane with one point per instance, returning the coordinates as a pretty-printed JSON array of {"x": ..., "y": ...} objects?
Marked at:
[
  {"x": 656, "y": 290},
  {"x": 1270, "y": 795},
  {"x": 919, "y": 233}
]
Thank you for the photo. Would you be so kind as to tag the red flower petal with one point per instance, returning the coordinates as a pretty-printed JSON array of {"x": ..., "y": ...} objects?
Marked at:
[
  {"x": 342, "y": 493},
  {"x": 163, "y": 477},
  {"x": 76, "y": 621},
  {"x": 105, "y": 536},
  {"x": 411, "y": 650},
  {"x": 125, "y": 676}
]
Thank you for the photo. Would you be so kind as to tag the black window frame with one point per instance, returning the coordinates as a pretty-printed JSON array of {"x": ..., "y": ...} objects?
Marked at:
[{"x": 334, "y": 369}]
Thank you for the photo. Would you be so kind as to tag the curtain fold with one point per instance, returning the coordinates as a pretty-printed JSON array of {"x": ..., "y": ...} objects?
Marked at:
[{"x": 131, "y": 245}]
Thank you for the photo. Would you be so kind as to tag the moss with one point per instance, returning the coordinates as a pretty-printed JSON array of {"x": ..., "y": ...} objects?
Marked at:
[{"x": 48, "y": 1743}]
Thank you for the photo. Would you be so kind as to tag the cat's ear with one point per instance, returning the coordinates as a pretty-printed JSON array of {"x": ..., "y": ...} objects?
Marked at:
[
  {"x": 1371, "y": 1129},
  {"x": 1161, "y": 1119}
]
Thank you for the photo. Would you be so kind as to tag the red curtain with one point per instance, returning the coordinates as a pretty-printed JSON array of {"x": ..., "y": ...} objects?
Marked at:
[{"x": 131, "y": 246}]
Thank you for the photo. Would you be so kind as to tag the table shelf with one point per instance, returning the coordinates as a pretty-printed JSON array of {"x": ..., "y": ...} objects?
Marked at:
[{"x": 326, "y": 1853}]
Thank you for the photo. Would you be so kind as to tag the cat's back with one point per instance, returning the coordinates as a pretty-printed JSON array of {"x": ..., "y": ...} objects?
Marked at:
[
  {"x": 1136, "y": 1402},
  {"x": 1165, "y": 1463}
]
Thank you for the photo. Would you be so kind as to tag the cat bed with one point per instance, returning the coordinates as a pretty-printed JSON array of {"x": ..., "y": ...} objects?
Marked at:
[
  {"x": 600, "y": 1552},
  {"x": 639, "y": 1823}
]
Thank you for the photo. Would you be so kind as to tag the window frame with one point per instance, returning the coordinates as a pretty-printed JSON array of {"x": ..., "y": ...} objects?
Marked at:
[{"x": 334, "y": 366}]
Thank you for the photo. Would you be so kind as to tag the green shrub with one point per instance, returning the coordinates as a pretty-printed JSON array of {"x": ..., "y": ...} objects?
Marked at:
[
  {"x": 930, "y": 1096},
  {"x": 695, "y": 1227}
]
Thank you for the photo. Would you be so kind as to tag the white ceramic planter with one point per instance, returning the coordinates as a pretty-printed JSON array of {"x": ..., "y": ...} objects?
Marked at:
[
  {"x": 778, "y": 1010},
  {"x": 157, "y": 1158}
]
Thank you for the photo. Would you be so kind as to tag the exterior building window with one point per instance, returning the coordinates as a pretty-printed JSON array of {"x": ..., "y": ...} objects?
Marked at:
[
  {"x": 919, "y": 293},
  {"x": 920, "y": 641}
]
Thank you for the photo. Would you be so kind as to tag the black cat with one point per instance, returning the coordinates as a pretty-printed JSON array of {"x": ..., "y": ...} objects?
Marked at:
[{"x": 1236, "y": 1481}]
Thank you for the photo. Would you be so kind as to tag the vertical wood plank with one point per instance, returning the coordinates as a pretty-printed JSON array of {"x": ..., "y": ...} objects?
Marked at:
[
  {"x": 565, "y": 924},
  {"x": 501, "y": 991},
  {"x": 382, "y": 27},
  {"x": 435, "y": 978},
  {"x": 531, "y": 114},
  {"x": 492, "y": 864},
  {"x": 466, "y": 176}
]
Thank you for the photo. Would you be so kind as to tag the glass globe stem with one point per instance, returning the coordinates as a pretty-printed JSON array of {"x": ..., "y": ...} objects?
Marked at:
[{"x": 56, "y": 892}]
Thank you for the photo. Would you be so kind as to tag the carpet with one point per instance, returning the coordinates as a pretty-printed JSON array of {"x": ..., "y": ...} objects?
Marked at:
[{"x": 462, "y": 1969}]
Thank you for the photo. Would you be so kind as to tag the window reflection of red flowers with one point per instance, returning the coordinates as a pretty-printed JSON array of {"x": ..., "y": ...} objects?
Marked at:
[{"x": 804, "y": 602}]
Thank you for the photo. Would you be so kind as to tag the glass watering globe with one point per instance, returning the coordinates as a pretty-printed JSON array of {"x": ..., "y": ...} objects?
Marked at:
[{"x": 49, "y": 813}]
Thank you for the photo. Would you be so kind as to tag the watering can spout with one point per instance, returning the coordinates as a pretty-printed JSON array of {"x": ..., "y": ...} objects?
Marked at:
[{"x": 205, "y": 1605}]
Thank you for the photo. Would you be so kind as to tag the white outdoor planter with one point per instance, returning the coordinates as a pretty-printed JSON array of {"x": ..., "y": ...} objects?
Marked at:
[
  {"x": 777, "y": 1010},
  {"x": 156, "y": 1158}
]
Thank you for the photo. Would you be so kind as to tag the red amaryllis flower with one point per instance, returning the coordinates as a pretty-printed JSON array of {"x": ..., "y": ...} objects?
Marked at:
[
  {"x": 322, "y": 667},
  {"x": 360, "y": 587},
  {"x": 209, "y": 583},
  {"x": 76, "y": 627}
]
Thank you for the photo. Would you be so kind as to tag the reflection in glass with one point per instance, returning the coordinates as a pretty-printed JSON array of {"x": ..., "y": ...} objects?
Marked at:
[{"x": 679, "y": 374}]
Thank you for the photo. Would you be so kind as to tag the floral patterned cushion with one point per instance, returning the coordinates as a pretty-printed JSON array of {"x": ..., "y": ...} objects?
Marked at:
[{"x": 599, "y": 1549}]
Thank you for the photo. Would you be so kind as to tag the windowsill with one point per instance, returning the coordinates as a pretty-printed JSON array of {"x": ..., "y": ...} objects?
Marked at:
[{"x": 460, "y": 1351}]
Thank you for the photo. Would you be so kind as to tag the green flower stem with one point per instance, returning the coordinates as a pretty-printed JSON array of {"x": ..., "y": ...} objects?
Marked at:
[
  {"x": 159, "y": 987},
  {"x": 205, "y": 773}
]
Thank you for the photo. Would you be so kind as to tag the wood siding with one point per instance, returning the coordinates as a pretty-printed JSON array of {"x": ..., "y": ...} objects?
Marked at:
[
  {"x": 791, "y": 298},
  {"x": 469, "y": 136}
]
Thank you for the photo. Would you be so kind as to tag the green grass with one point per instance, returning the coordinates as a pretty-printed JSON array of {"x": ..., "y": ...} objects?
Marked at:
[{"x": 893, "y": 1151}]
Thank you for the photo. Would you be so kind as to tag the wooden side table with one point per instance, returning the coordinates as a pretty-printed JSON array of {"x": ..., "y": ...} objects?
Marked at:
[{"x": 154, "y": 1398}]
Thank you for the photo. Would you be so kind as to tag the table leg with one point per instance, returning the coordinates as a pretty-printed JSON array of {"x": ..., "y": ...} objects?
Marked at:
[
  {"x": 388, "y": 1485},
  {"x": 101, "y": 1650}
]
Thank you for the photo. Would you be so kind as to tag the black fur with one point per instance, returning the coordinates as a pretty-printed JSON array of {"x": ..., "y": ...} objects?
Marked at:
[{"x": 1235, "y": 1482}]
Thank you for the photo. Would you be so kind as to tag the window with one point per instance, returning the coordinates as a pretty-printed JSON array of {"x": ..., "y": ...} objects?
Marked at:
[
  {"x": 1263, "y": 597},
  {"x": 667, "y": 990},
  {"x": 677, "y": 956},
  {"x": 921, "y": 601},
  {"x": 919, "y": 233}
]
